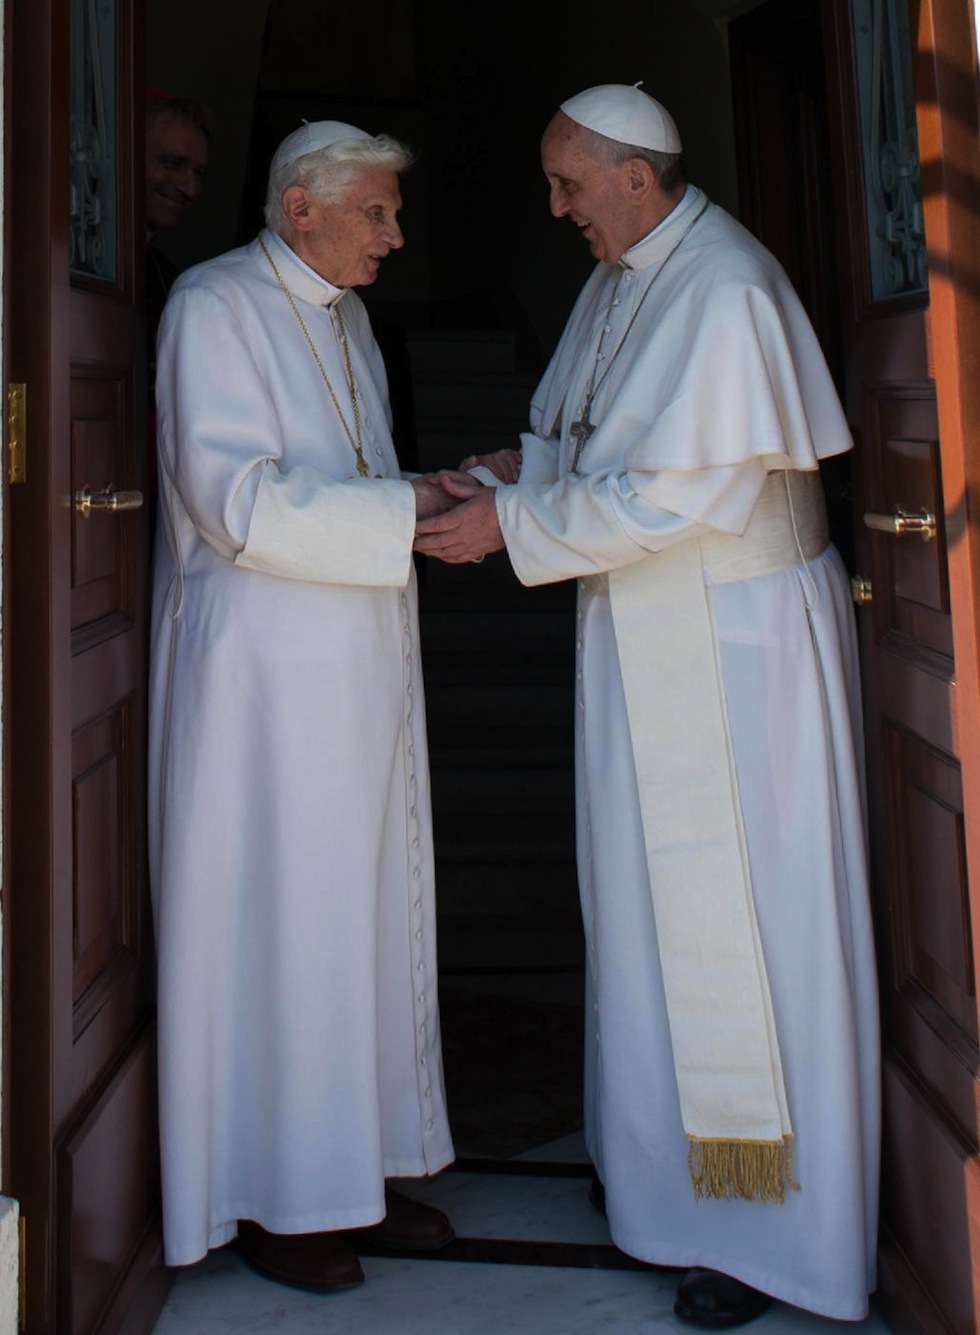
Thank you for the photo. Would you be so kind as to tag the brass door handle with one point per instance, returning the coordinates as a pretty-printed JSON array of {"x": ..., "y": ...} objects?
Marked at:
[
  {"x": 109, "y": 500},
  {"x": 901, "y": 523}
]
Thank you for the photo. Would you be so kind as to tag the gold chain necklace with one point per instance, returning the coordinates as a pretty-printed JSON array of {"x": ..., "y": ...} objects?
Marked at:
[
  {"x": 581, "y": 430},
  {"x": 353, "y": 436}
]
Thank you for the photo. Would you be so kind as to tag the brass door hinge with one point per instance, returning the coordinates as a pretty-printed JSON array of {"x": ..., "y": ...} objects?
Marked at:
[
  {"x": 22, "y": 1273},
  {"x": 17, "y": 431},
  {"x": 861, "y": 590}
]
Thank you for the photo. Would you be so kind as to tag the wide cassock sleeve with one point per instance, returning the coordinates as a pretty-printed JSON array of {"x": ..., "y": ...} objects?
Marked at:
[
  {"x": 222, "y": 450},
  {"x": 585, "y": 525}
]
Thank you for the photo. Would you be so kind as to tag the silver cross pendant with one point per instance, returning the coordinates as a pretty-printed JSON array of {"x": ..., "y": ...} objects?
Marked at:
[{"x": 580, "y": 432}]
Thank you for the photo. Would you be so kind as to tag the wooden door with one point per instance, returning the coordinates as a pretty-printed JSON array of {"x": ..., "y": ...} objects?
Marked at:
[
  {"x": 911, "y": 339},
  {"x": 81, "y": 1100}
]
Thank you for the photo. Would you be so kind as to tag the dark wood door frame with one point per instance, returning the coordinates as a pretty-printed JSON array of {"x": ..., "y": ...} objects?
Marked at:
[
  {"x": 36, "y": 855},
  {"x": 913, "y": 393}
]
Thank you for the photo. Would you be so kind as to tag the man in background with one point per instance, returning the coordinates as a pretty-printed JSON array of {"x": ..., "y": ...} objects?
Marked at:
[{"x": 179, "y": 134}]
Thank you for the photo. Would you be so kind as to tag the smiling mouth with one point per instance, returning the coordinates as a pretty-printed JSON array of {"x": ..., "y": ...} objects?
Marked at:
[{"x": 587, "y": 222}]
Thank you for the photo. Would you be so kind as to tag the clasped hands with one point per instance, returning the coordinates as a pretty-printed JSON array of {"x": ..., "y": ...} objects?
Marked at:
[{"x": 456, "y": 515}]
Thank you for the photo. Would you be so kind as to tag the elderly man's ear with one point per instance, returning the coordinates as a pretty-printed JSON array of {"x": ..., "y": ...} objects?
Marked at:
[
  {"x": 639, "y": 181},
  {"x": 296, "y": 206}
]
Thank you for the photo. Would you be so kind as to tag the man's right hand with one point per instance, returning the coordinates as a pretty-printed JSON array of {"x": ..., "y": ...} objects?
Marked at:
[{"x": 433, "y": 498}]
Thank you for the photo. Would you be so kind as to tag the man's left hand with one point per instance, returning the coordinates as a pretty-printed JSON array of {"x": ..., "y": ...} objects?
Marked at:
[
  {"x": 464, "y": 534},
  {"x": 505, "y": 465}
]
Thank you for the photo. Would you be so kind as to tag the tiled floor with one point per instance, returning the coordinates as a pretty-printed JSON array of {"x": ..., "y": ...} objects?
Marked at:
[{"x": 431, "y": 1297}]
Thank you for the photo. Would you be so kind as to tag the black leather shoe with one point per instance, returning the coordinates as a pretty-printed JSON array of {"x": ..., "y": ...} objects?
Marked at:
[
  {"x": 323, "y": 1262},
  {"x": 408, "y": 1226},
  {"x": 715, "y": 1301}
]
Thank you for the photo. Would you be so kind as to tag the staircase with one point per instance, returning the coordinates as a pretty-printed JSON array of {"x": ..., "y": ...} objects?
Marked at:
[{"x": 499, "y": 664}]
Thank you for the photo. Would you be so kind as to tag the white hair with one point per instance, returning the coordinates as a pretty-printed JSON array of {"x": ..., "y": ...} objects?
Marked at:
[
  {"x": 667, "y": 167},
  {"x": 326, "y": 172}
]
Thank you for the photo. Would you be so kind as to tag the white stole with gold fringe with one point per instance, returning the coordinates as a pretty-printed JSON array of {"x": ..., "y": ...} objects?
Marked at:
[{"x": 726, "y": 1054}]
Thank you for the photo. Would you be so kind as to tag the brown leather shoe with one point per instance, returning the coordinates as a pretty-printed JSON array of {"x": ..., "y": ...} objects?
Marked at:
[
  {"x": 323, "y": 1262},
  {"x": 408, "y": 1226}
]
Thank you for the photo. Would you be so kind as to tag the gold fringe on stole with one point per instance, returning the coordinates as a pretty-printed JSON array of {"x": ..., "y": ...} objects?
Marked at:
[{"x": 755, "y": 1170}]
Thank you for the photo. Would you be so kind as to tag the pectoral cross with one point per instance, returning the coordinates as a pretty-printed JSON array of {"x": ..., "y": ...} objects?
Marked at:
[{"x": 580, "y": 432}]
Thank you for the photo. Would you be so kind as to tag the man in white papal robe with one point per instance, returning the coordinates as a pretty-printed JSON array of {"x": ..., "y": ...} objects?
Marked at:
[
  {"x": 732, "y": 1068},
  {"x": 290, "y": 830}
]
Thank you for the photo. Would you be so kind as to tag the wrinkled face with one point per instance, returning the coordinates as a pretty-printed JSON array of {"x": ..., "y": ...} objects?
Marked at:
[
  {"x": 593, "y": 195},
  {"x": 176, "y": 170},
  {"x": 349, "y": 237}
]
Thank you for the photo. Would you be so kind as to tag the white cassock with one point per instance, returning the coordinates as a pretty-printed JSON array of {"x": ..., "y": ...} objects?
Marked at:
[
  {"x": 719, "y": 385},
  {"x": 290, "y": 831}
]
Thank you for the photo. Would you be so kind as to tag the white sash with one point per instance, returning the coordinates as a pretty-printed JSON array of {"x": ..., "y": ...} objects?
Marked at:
[{"x": 726, "y": 1055}]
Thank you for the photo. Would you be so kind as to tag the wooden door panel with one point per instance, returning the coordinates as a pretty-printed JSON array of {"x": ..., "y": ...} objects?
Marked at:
[
  {"x": 100, "y": 411},
  {"x": 106, "y": 918},
  {"x": 99, "y": 920},
  {"x": 929, "y": 1198},
  {"x": 905, "y": 474},
  {"x": 109, "y": 929},
  {"x": 104, "y": 1231},
  {"x": 931, "y": 941}
]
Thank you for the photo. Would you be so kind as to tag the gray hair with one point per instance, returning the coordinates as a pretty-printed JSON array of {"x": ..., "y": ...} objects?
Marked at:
[
  {"x": 327, "y": 172},
  {"x": 669, "y": 168}
]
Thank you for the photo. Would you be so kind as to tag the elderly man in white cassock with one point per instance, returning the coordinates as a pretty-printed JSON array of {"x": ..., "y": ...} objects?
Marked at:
[
  {"x": 731, "y": 1089},
  {"x": 290, "y": 832}
]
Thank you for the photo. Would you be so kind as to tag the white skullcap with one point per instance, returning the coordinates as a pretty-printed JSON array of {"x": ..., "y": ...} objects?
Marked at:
[
  {"x": 313, "y": 135},
  {"x": 625, "y": 114}
]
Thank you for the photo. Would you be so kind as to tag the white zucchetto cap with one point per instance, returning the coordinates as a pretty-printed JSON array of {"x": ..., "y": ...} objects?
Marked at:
[
  {"x": 625, "y": 114},
  {"x": 311, "y": 136}
]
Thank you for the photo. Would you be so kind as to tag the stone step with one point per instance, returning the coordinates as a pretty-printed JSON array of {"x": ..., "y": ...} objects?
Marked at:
[
  {"x": 504, "y": 637},
  {"x": 508, "y": 914},
  {"x": 499, "y": 748},
  {"x": 453, "y": 350},
  {"x": 477, "y": 888},
  {"x": 510, "y": 596},
  {"x": 470, "y": 793},
  {"x": 474, "y": 836},
  {"x": 534, "y": 939},
  {"x": 479, "y": 400},
  {"x": 497, "y": 673},
  {"x": 455, "y": 699}
]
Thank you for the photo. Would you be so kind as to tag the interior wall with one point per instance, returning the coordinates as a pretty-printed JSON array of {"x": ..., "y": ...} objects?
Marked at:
[
  {"x": 493, "y": 79},
  {"x": 354, "y": 64},
  {"x": 471, "y": 88}
]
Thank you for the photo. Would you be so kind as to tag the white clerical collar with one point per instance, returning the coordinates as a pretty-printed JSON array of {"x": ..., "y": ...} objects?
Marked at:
[
  {"x": 301, "y": 280},
  {"x": 652, "y": 248}
]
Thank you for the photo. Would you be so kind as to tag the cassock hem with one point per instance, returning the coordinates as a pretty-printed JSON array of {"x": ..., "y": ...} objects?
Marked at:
[
  {"x": 766, "y": 1281},
  {"x": 424, "y": 1167}
]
